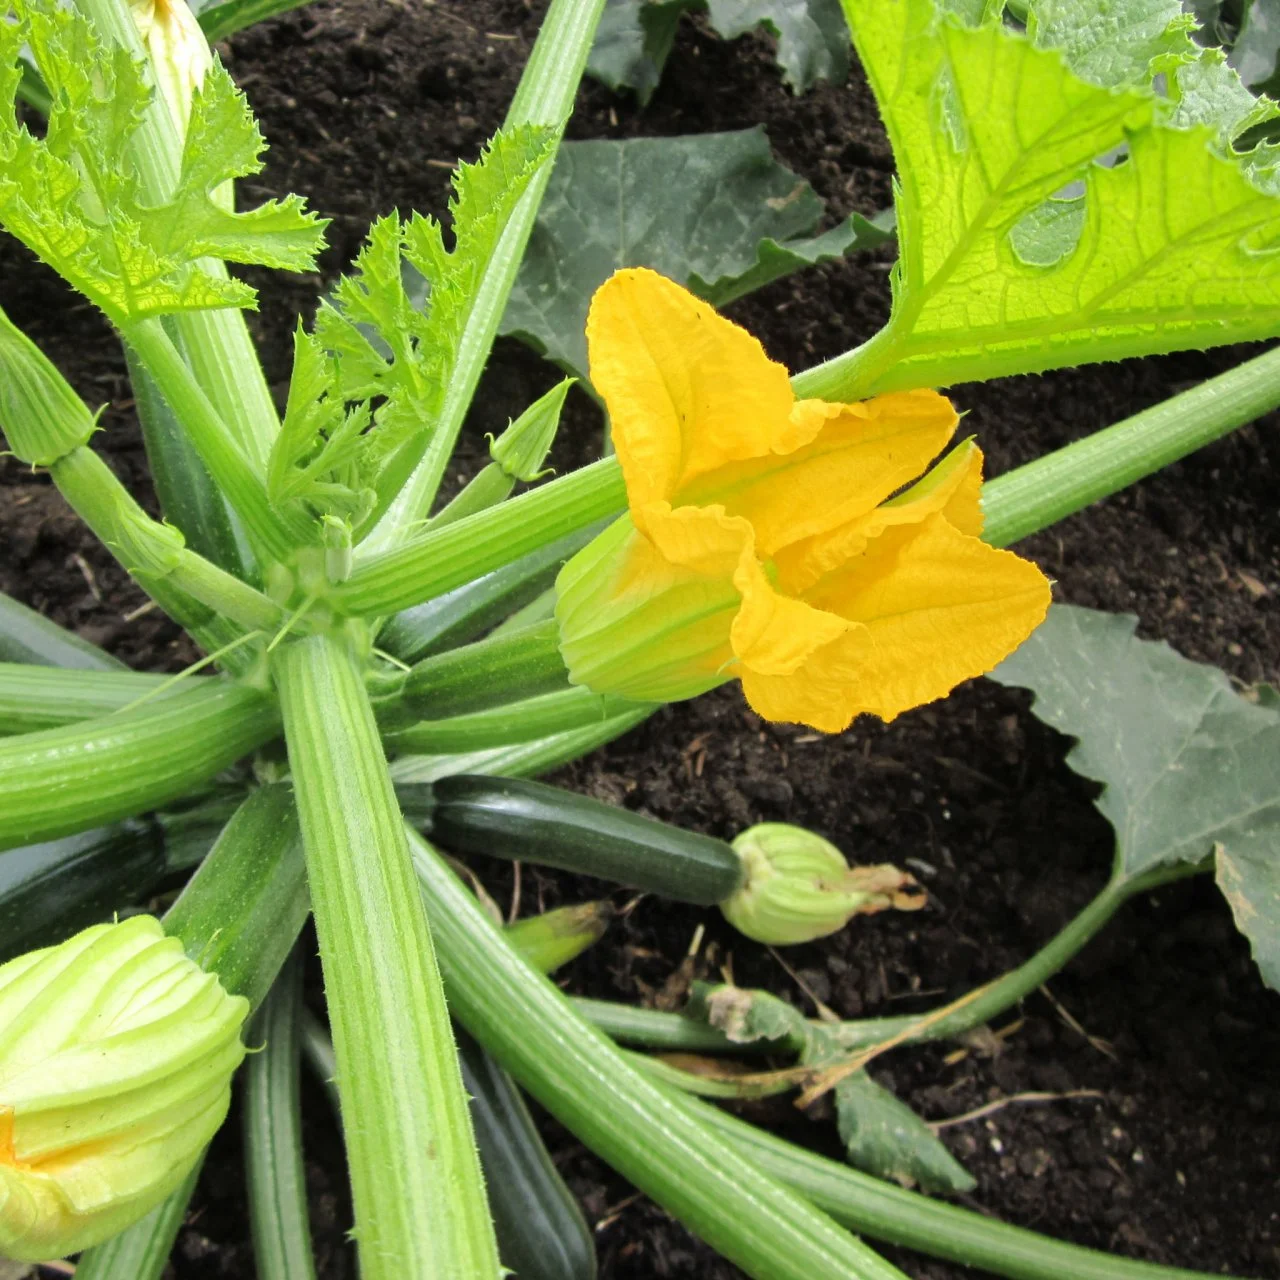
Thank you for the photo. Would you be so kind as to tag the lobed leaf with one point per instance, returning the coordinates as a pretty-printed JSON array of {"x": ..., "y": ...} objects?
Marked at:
[
  {"x": 74, "y": 197},
  {"x": 1190, "y": 768},
  {"x": 1176, "y": 247},
  {"x": 383, "y": 352},
  {"x": 713, "y": 211}
]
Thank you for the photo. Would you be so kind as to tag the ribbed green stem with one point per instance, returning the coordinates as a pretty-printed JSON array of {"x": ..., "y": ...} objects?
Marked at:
[
  {"x": 142, "y": 1252},
  {"x": 28, "y": 637},
  {"x": 545, "y": 96},
  {"x": 539, "y": 609},
  {"x": 225, "y": 20},
  {"x": 188, "y": 497},
  {"x": 419, "y": 1198},
  {"x": 885, "y": 1212},
  {"x": 526, "y": 1024},
  {"x": 438, "y": 562},
  {"x": 171, "y": 573},
  {"x": 524, "y": 759},
  {"x": 273, "y": 1136},
  {"x": 470, "y": 610},
  {"x": 34, "y": 698},
  {"x": 510, "y": 723},
  {"x": 65, "y": 780},
  {"x": 487, "y": 673},
  {"x": 1041, "y": 493},
  {"x": 237, "y": 474}
]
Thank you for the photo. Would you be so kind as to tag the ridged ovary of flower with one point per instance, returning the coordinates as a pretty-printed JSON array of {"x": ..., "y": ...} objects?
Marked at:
[{"x": 116, "y": 1057}]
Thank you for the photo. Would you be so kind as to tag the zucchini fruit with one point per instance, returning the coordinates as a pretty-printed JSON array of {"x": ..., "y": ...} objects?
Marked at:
[{"x": 532, "y": 822}]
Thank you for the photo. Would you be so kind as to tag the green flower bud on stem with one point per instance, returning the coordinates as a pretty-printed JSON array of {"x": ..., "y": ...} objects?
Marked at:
[
  {"x": 799, "y": 887},
  {"x": 523, "y": 447},
  {"x": 116, "y": 1056},
  {"x": 40, "y": 414}
]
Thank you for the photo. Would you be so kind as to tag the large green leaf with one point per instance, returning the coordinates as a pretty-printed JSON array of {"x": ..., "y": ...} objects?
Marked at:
[
  {"x": 74, "y": 198},
  {"x": 1190, "y": 768},
  {"x": 635, "y": 36},
  {"x": 1176, "y": 247},
  {"x": 714, "y": 211}
]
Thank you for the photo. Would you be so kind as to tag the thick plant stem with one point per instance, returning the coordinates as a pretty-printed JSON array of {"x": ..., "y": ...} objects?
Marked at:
[
  {"x": 438, "y": 562},
  {"x": 34, "y": 697},
  {"x": 879, "y": 1209},
  {"x": 64, "y": 780},
  {"x": 273, "y": 1136},
  {"x": 237, "y": 475},
  {"x": 1042, "y": 492},
  {"x": 419, "y": 1197},
  {"x": 525, "y": 1023},
  {"x": 28, "y": 637},
  {"x": 238, "y": 917},
  {"x": 545, "y": 96}
]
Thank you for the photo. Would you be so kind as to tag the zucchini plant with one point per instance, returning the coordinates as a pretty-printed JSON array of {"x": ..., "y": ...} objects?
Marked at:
[{"x": 820, "y": 537}]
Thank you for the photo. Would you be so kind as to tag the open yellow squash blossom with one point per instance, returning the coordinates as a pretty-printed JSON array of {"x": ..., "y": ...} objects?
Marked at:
[{"x": 775, "y": 540}]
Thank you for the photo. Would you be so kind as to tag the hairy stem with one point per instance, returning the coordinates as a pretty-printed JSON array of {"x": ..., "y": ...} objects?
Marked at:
[{"x": 419, "y": 1197}]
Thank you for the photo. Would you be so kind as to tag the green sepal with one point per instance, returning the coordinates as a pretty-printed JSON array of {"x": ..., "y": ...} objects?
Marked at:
[
  {"x": 40, "y": 414},
  {"x": 523, "y": 447}
]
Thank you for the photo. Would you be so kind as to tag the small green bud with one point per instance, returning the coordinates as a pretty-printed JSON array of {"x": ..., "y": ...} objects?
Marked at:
[
  {"x": 523, "y": 447},
  {"x": 116, "y": 1056},
  {"x": 552, "y": 939},
  {"x": 145, "y": 546},
  {"x": 798, "y": 886},
  {"x": 40, "y": 414},
  {"x": 338, "y": 557}
]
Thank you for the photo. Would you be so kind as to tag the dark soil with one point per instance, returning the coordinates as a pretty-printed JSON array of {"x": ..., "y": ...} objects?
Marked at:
[{"x": 366, "y": 106}]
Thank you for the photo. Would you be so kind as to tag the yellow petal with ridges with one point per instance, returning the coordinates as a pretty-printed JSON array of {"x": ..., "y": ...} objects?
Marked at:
[
  {"x": 687, "y": 390},
  {"x": 861, "y": 455},
  {"x": 817, "y": 693},
  {"x": 940, "y": 606},
  {"x": 953, "y": 488},
  {"x": 774, "y": 634}
]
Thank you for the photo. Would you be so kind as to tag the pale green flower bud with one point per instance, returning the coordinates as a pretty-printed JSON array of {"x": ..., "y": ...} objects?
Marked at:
[
  {"x": 523, "y": 447},
  {"x": 116, "y": 1056},
  {"x": 798, "y": 886},
  {"x": 179, "y": 53}
]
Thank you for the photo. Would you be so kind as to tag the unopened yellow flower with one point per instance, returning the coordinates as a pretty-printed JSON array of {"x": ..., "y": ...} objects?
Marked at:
[
  {"x": 179, "y": 53},
  {"x": 776, "y": 540},
  {"x": 116, "y": 1057}
]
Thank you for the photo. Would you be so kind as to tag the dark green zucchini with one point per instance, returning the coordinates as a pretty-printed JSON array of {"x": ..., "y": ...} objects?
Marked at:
[
  {"x": 49, "y": 890},
  {"x": 532, "y": 822},
  {"x": 541, "y": 1232}
]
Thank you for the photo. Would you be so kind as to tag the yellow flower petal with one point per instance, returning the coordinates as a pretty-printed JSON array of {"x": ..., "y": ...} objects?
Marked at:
[
  {"x": 687, "y": 390},
  {"x": 940, "y": 607},
  {"x": 861, "y": 454},
  {"x": 953, "y": 487},
  {"x": 817, "y": 693},
  {"x": 774, "y": 634}
]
